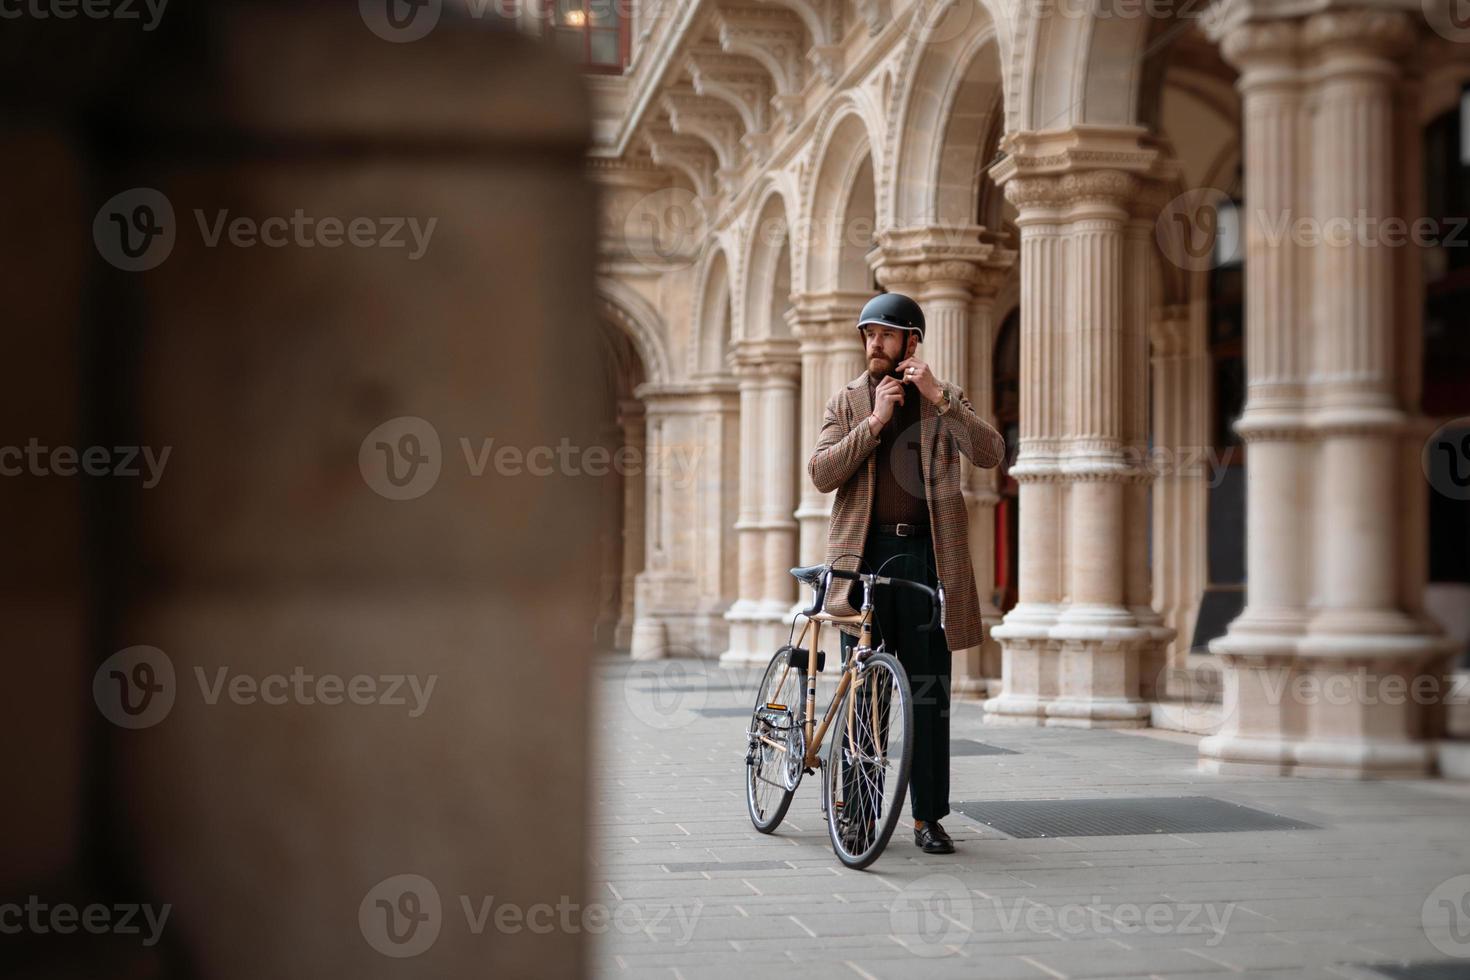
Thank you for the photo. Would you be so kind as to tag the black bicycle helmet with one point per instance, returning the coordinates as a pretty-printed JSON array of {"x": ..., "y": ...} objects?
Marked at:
[{"x": 893, "y": 310}]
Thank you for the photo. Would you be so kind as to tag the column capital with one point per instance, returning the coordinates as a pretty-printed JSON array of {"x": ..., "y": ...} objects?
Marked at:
[
  {"x": 1259, "y": 44},
  {"x": 967, "y": 256},
  {"x": 829, "y": 315},
  {"x": 771, "y": 357},
  {"x": 1383, "y": 34}
]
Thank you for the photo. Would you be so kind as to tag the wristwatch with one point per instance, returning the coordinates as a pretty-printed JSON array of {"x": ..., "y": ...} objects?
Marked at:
[{"x": 944, "y": 402}]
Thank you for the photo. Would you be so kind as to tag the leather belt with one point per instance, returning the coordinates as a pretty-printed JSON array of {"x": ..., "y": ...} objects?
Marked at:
[{"x": 903, "y": 530}]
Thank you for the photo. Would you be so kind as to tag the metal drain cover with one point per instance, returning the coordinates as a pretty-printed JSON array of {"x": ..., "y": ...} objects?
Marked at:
[
  {"x": 968, "y": 746},
  {"x": 1434, "y": 970},
  {"x": 726, "y": 866},
  {"x": 1115, "y": 817}
]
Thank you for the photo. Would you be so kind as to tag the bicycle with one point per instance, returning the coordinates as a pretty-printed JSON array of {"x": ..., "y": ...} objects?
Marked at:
[{"x": 867, "y": 766}]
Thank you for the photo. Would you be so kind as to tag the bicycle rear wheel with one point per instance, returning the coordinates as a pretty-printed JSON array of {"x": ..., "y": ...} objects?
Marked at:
[
  {"x": 867, "y": 772},
  {"x": 775, "y": 743}
]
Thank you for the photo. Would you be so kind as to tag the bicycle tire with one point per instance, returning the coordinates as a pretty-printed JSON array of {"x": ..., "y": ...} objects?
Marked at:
[
  {"x": 766, "y": 818},
  {"x": 833, "y": 769}
]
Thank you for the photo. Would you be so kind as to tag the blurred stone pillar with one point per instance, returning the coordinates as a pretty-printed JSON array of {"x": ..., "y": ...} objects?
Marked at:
[
  {"x": 323, "y": 513},
  {"x": 1180, "y": 383},
  {"x": 1330, "y": 591},
  {"x": 744, "y": 615},
  {"x": 1361, "y": 625}
]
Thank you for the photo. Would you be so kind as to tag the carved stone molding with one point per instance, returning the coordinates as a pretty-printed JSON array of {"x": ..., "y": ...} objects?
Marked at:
[
  {"x": 772, "y": 37},
  {"x": 939, "y": 253},
  {"x": 1385, "y": 33},
  {"x": 689, "y": 155},
  {"x": 739, "y": 82},
  {"x": 710, "y": 119}
]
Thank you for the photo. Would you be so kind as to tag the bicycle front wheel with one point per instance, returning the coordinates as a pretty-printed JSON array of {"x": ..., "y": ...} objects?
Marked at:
[
  {"x": 774, "y": 743},
  {"x": 866, "y": 781}
]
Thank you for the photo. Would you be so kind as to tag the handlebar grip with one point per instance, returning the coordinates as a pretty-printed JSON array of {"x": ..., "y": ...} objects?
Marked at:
[{"x": 819, "y": 597}]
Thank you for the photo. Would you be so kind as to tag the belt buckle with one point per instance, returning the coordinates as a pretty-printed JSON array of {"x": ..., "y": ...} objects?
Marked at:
[{"x": 903, "y": 530}]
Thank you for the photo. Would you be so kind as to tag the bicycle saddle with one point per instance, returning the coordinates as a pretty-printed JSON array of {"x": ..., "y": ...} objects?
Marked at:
[{"x": 811, "y": 574}]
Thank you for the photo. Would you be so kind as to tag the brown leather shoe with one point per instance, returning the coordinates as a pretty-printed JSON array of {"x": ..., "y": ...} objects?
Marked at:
[{"x": 932, "y": 839}]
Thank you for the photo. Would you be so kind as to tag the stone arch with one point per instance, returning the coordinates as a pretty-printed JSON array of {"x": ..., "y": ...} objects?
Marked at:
[
  {"x": 712, "y": 308},
  {"x": 767, "y": 263},
  {"x": 1073, "y": 68},
  {"x": 945, "y": 125},
  {"x": 621, "y": 305},
  {"x": 840, "y": 198}
]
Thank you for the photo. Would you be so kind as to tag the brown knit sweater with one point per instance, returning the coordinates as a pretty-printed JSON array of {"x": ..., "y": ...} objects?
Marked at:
[{"x": 899, "y": 496}]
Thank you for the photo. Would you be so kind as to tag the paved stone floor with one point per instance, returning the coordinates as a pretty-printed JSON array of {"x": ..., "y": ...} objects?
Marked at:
[{"x": 694, "y": 891}]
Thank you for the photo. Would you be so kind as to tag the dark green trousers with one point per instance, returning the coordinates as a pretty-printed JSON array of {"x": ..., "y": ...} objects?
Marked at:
[{"x": 897, "y": 616}]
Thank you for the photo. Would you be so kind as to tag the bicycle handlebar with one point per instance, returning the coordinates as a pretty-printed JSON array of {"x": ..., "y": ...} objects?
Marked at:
[{"x": 936, "y": 596}]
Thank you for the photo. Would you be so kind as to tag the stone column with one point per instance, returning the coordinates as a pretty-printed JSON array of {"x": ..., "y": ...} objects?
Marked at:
[
  {"x": 1072, "y": 646},
  {"x": 1028, "y": 652},
  {"x": 631, "y": 418},
  {"x": 942, "y": 267},
  {"x": 982, "y": 492},
  {"x": 769, "y": 375},
  {"x": 1179, "y": 390},
  {"x": 1326, "y": 608},
  {"x": 780, "y": 387},
  {"x": 831, "y": 356},
  {"x": 748, "y": 536},
  {"x": 1260, "y": 645},
  {"x": 1359, "y": 624}
]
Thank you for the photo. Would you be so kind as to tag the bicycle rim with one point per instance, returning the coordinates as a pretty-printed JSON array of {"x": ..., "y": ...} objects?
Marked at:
[
  {"x": 778, "y": 706},
  {"x": 866, "y": 777}
]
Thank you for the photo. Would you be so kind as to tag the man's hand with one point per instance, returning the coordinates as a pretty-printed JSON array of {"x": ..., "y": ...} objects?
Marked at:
[
  {"x": 888, "y": 395},
  {"x": 917, "y": 373}
]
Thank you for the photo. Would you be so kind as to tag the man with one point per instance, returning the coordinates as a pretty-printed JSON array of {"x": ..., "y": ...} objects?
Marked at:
[{"x": 890, "y": 446}]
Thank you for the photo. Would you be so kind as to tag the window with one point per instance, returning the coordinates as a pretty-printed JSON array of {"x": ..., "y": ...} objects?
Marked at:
[{"x": 593, "y": 32}]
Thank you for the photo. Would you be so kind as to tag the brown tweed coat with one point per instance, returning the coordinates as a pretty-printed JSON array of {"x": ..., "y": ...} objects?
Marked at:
[{"x": 844, "y": 461}]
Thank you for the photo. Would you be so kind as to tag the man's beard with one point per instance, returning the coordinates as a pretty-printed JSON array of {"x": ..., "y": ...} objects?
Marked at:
[{"x": 880, "y": 365}]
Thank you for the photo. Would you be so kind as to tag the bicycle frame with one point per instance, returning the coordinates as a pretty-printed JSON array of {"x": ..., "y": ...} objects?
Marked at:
[{"x": 813, "y": 631}]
